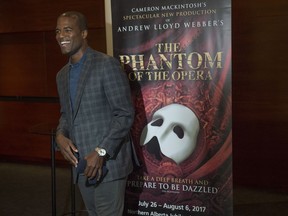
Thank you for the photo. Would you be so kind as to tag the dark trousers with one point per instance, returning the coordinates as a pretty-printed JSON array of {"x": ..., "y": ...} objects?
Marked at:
[{"x": 105, "y": 199}]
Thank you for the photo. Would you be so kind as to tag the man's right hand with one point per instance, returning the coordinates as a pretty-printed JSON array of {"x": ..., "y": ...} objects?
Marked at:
[{"x": 67, "y": 148}]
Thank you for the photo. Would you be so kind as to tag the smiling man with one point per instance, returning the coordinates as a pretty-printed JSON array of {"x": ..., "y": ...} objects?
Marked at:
[{"x": 96, "y": 116}]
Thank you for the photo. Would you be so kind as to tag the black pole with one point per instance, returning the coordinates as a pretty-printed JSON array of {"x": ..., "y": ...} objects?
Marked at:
[
  {"x": 72, "y": 194},
  {"x": 53, "y": 179}
]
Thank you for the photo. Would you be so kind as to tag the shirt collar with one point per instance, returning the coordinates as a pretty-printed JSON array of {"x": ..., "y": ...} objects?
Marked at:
[{"x": 77, "y": 64}]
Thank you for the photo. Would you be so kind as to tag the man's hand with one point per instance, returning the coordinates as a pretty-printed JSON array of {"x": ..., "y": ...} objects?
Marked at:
[
  {"x": 67, "y": 148},
  {"x": 94, "y": 165}
]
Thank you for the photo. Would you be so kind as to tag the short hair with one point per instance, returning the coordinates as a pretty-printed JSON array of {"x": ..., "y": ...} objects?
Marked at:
[{"x": 81, "y": 19}]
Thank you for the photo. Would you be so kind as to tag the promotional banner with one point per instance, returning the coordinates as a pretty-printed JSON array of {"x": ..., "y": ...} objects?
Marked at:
[{"x": 177, "y": 56}]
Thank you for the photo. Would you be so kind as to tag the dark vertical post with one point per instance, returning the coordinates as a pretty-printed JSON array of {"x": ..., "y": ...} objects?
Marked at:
[
  {"x": 72, "y": 194},
  {"x": 53, "y": 177}
]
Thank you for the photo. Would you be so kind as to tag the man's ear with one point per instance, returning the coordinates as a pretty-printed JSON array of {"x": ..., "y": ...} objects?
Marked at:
[{"x": 84, "y": 34}]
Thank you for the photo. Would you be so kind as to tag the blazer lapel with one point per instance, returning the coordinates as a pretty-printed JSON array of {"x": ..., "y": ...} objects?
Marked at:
[
  {"x": 85, "y": 71},
  {"x": 66, "y": 89}
]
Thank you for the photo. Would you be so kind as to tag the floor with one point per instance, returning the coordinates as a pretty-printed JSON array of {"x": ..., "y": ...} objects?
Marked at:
[{"x": 25, "y": 190}]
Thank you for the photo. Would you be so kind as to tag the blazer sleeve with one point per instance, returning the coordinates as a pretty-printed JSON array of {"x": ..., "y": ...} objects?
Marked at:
[
  {"x": 62, "y": 127},
  {"x": 117, "y": 90}
]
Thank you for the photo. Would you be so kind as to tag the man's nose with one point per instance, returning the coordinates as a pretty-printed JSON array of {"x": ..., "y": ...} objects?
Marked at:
[{"x": 60, "y": 34}]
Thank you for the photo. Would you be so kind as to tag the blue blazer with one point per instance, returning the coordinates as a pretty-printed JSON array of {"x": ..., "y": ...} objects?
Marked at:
[{"x": 103, "y": 111}]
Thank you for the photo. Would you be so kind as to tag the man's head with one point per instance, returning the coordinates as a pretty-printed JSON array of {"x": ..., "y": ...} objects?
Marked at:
[{"x": 71, "y": 33}]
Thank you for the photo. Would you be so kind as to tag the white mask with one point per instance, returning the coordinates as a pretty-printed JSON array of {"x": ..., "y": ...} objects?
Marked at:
[{"x": 176, "y": 128}]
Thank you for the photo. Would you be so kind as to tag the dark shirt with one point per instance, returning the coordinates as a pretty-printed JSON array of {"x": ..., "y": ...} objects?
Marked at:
[{"x": 74, "y": 75}]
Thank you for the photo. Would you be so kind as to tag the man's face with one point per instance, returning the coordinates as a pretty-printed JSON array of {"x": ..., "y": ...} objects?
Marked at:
[{"x": 69, "y": 36}]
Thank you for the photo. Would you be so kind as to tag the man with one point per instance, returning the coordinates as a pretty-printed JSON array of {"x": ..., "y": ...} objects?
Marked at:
[{"x": 96, "y": 116}]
